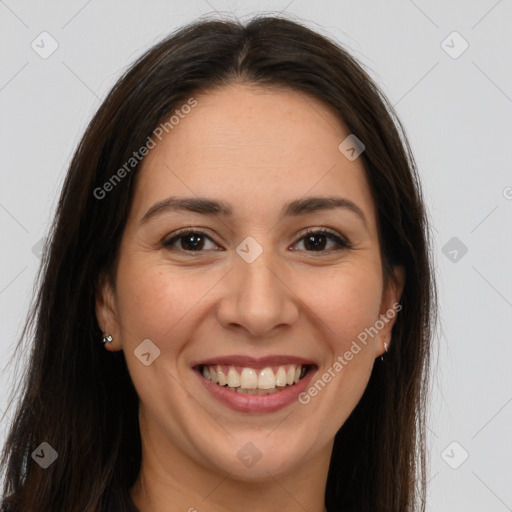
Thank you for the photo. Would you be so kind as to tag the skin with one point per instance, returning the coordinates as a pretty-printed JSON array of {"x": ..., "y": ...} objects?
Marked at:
[{"x": 255, "y": 149}]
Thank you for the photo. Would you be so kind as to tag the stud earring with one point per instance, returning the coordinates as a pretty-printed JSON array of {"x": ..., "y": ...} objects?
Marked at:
[{"x": 107, "y": 339}]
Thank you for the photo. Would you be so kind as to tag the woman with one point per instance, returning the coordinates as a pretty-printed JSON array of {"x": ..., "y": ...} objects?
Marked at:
[{"x": 237, "y": 299}]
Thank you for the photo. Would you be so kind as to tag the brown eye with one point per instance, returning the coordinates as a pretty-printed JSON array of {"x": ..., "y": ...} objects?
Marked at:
[
  {"x": 316, "y": 241},
  {"x": 190, "y": 241}
]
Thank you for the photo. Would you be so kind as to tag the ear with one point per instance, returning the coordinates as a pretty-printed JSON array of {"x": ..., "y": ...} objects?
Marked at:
[
  {"x": 390, "y": 307},
  {"x": 106, "y": 312}
]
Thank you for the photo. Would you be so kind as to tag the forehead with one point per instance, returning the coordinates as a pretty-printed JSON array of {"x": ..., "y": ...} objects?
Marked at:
[{"x": 252, "y": 146}]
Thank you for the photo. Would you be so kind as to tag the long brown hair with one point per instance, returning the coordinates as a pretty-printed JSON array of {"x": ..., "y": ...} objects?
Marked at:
[{"x": 79, "y": 398}]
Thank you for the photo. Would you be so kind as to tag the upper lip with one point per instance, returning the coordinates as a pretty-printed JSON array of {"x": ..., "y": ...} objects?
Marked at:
[{"x": 253, "y": 362}]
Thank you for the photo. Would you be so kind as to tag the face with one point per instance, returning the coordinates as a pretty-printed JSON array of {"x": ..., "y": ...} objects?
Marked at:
[{"x": 250, "y": 285}]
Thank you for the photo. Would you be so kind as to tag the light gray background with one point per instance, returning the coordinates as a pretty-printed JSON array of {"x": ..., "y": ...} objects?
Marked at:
[{"x": 457, "y": 114}]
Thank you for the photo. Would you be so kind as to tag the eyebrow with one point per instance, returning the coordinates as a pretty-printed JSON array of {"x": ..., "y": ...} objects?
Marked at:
[{"x": 206, "y": 206}]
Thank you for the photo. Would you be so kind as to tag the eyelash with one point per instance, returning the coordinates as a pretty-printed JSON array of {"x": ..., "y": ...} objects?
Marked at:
[{"x": 343, "y": 243}]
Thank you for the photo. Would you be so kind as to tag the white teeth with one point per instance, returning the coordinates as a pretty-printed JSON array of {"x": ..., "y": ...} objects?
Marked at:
[
  {"x": 233, "y": 378},
  {"x": 281, "y": 377},
  {"x": 213, "y": 375},
  {"x": 266, "y": 379},
  {"x": 249, "y": 378},
  {"x": 222, "y": 378},
  {"x": 251, "y": 381},
  {"x": 290, "y": 375}
]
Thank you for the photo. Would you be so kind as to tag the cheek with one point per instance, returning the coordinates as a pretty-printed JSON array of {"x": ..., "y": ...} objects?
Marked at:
[
  {"x": 159, "y": 304},
  {"x": 344, "y": 302},
  {"x": 153, "y": 301},
  {"x": 343, "y": 306}
]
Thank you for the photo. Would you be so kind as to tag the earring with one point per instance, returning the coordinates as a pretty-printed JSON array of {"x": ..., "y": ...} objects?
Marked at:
[
  {"x": 386, "y": 349},
  {"x": 107, "y": 339}
]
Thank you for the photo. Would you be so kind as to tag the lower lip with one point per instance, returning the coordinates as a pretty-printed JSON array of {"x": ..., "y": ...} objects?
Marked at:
[{"x": 257, "y": 403}]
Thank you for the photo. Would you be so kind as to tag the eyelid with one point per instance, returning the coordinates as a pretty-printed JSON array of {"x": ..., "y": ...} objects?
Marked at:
[
  {"x": 323, "y": 230},
  {"x": 168, "y": 240},
  {"x": 341, "y": 241}
]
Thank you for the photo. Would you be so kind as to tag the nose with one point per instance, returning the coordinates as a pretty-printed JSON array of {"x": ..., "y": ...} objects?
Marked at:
[{"x": 257, "y": 298}]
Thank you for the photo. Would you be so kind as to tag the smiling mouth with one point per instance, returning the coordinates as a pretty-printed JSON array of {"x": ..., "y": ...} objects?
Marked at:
[{"x": 251, "y": 381}]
